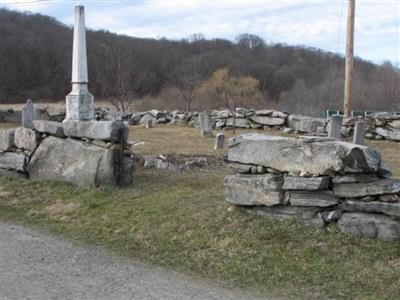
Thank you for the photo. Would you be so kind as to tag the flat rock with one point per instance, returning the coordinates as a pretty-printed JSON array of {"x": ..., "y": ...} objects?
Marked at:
[
  {"x": 26, "y": 138},
  {"x": 355, "y": 178},
  {"x": 279, "y": 114},
  {"x": 302, "y": 183},
  {"x": 391, "y": 209},
  {"x": 264, "y": 120},
  {"x": 264, "y": 112},
  {"x": 369, "y": 225},
  {"x": 314, "y": 198},
  {"x": 49, "y": 127},
  {"x": 239, "y": 123},
  {"x": 305, "y": 124},
  {"x": 7, "y": 139},
  {"x": 12, "y": 173},
  {"x": 239, "y": 168},
  {"x": 390, "y": 134},
  {"x": 307, "y": 215},
  {"x": 96, "y": 130},
  {"x": 395, "y": 124},
  {"x": 262, "y": 189},
  {"x": 302, "y": 155},
  {"x": 13, "y": 161},
  {"x": 355, "y": 190}
]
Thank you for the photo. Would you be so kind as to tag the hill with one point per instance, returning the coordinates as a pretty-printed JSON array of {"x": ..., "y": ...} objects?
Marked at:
[{"x": 35, "y": 53}]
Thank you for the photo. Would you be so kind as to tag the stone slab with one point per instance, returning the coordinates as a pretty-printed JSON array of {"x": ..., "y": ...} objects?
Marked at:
[
  {"x": 264, "y": 120},
  {"x": 355, "y": 190},
  {"x": 262, "y": 189},
  {"x": 307, "y": 215},
  {"x": 355, "y": 178},
  {"x": 369, "y": 225},
  {"x": 391, "y": 209},
  {"x": 49, "y": 127},
  {"x": 305, "y": 124},
  {"x": 313, "y": 198},
  {"x": 96, "y": 130},
  {"x": 302, "y": 155},
  {"x": 303, "y": 183},
  {"x": 390, "y": 134},
  {"x": 13, "y": 161}
]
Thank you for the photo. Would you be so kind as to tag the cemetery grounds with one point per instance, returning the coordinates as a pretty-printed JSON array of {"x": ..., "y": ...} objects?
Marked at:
[{"x": 181, "y": 222}]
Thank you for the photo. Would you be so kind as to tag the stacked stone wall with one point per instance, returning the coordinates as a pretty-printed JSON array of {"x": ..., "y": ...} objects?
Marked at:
[
  {"x": 85, "y": 153},
  {"x": 318, "y": 181}
]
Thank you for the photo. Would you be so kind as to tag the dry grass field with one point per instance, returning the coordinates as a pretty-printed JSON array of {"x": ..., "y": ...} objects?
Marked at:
[{"x": 182, "y": 222}]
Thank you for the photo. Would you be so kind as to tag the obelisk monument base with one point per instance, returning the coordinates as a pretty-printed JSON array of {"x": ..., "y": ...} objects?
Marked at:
[{"x": 80, "y": 104}]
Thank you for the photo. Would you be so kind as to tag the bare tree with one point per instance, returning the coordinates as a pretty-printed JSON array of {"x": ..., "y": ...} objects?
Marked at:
[{"x": 187, "y": 78}]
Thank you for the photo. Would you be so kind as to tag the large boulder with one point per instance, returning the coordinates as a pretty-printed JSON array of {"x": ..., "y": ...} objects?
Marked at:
[
  {"x": 13, "y": 161},
  {"x": 26, "y": 138},
  {"x": 73, "y": 161},
  {"x": 96, "y": 130},
  {"x": 306, "y": 124},
  {"x": 356, "y": 190},
  {"x": 262, "y": 189},
  {"x": 369, "y": 225},
  {"x": 314, "y": 156}
]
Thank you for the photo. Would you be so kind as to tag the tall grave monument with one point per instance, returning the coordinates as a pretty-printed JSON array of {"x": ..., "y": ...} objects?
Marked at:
[{"x": 80, "y": 102}]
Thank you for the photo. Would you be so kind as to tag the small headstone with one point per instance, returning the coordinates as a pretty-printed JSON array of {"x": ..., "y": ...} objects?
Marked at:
[
  {"x": 149, "y": 124},
  {"x": 28, "y": 114},
  {"x": 359, "y": 132},
  {"x": 119, "y": 116},
  {"x": 335, "y": 127},
  {"x": 205, "y": 124},
  {"x": 219, "y": 141}
]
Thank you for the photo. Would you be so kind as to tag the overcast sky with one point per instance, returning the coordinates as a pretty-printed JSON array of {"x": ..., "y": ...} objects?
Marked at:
[{"x": 320, "y": 24}]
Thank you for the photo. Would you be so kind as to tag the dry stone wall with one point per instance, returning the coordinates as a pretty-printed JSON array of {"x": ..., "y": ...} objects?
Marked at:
[
  {"x": 379, "y": 126},
  {"x": 85, "y": 153},
  {"x": 315, "y": 180}
]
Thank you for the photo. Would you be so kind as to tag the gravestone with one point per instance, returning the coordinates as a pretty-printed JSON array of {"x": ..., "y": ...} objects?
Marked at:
[
  {"x": 205, "y": 124},
  {"x": 149, "y": 124},
  {"x": 219, "y": 141},
  {"x": 335, "y": 127},
  {"x": 359, "y": 132},
  {"x": 28, "y": 114},
  {"x": 80, "y": 102}
]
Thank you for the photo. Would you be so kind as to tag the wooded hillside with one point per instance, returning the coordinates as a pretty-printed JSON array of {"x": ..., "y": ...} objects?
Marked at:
[{"x": 35, "y": 63}]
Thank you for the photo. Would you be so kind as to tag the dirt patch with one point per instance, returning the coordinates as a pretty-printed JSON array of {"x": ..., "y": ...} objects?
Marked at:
[{"x": 60, "y": 208}]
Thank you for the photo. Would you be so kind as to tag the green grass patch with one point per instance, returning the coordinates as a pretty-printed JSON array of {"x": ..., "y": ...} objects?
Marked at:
[{"x": 183, "y": 223}]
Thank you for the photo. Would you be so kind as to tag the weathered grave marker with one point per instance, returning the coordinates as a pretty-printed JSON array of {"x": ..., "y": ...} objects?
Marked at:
[
  {"x": 28, "y": 114},
  {"x": 205, "y": 124},
  {"x": 335, "y": 127},
  {"x": 219, "y": 141},
  {"x": 359, "y": 132},
  {"x": 149, "y": 124}
]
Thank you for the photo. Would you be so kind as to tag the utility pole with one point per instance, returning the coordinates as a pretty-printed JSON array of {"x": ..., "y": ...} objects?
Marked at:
[{"x": 349, "y": 57}]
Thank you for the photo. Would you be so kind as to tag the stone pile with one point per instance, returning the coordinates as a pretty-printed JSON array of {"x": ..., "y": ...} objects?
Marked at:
[
  {"x": 315, "y": 180},
  {"x": 85, "y": 153}
]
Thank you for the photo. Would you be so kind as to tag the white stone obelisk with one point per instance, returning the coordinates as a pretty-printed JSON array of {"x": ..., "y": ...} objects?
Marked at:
[{"x": 79, "y": 103}]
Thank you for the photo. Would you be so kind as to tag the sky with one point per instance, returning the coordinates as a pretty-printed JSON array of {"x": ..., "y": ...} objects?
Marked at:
[{"x": 311, "y": 23}]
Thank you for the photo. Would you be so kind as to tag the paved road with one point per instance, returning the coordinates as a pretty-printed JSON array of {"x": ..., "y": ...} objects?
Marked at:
[{"x": 38, "y": 266}]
